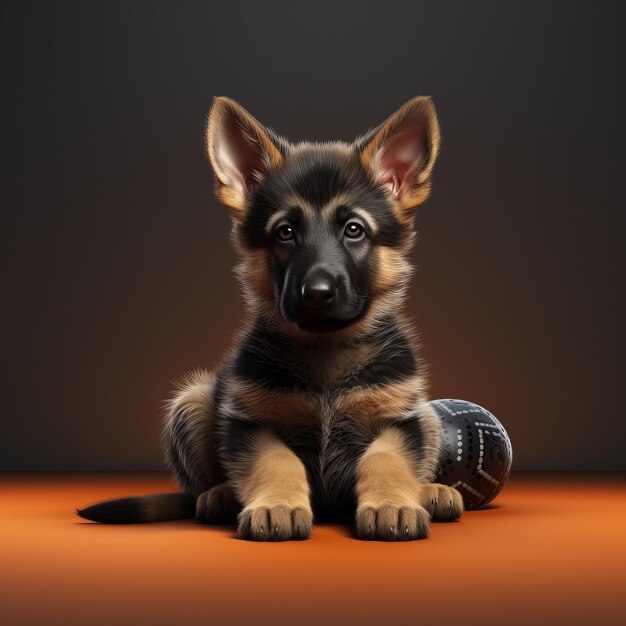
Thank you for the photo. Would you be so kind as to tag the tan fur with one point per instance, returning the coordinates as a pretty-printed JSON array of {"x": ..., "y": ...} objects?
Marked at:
[
  {"x": 368, "y": 219},
  {"x": 327, "y": 210},
  {"x": 391, "y": 282},
  {"x": 274, "y": 220},
  {"x": 444, "y": 503},
  {"x": 273, "y": 488},
  {"x": 273, "y": 405},
  {"x": 393, "y": 270},
  {"x": 253, "y": 276},
  {"x": 364, "y": 406},
  {"x": 370, "y": 404},
  {"x": 386, "y": 473},
  {"x": 389, "y": 491},
  {"x": 431, "y": 441}
]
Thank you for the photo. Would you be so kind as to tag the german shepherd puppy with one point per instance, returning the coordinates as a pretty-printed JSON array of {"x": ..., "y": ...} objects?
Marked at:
[{"x": 320, "y": 410}]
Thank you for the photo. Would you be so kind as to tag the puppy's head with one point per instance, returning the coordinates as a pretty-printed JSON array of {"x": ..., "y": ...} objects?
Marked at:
[{"x": 323, "y": 228}]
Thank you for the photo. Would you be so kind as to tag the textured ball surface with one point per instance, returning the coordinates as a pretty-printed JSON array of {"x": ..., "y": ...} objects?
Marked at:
[{"x": 476, "y": 451}]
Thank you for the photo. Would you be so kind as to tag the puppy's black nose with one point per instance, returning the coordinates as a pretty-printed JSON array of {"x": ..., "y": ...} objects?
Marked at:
[{"x": 318, "y": 293}]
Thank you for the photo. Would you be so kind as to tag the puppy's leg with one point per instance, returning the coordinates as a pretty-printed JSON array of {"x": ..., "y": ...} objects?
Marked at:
[
  {"x": 389, "y": 491},
  {"x": 189, "y": 435},
  {"x": 423, "y": 434},
  {"x": 271, "y": 484},
  {"x": 218, "y": 505}
]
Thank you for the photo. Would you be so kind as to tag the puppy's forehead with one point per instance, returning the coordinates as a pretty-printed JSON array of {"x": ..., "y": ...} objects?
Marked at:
[
  {"x": 317, "y": 173},
  {"x": 319, "y": 181},
  {"x": 320, "y": 178}
]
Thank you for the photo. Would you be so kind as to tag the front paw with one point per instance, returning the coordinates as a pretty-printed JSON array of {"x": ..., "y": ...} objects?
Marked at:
[
  {"x": 444, "y": 503},
  {"x": 275, "y": 523},
  {"x": 388, "y": 522}
]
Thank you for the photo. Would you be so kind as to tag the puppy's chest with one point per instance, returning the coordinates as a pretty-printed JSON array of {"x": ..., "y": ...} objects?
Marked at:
[{"x": 329, "y": 442}]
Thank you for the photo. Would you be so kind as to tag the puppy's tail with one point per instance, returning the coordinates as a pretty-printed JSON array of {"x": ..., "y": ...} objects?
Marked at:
[{"x": 159, "y": 507}]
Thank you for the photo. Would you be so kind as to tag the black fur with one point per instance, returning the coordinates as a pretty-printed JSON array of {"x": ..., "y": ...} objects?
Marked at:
[
  {"x": 141, "y": 509},
  {"x": 261, "y": 359},
  {"x": 398, "y": 361}
]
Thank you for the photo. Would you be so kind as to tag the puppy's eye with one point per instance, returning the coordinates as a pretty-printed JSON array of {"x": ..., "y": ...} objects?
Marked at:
[
  {"x": 354, "y": 231},
  {"x": 285, "y": 233}
]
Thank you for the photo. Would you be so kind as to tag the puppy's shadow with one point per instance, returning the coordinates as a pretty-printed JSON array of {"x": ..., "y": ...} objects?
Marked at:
[
  {"x": 189, "y": 524},
  {"x": 486, "y": 507}
]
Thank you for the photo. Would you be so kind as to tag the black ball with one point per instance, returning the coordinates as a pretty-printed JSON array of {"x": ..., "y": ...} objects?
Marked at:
[{"x": 476, "y": 452}]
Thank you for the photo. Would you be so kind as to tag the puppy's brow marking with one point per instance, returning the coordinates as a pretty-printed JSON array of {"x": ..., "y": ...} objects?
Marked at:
[
  {"x": 274, "y": 220},
  {"x": 330, "y": 207},
  {"x": 367, "y": 218},
  {"x": 344, "y": 200}
]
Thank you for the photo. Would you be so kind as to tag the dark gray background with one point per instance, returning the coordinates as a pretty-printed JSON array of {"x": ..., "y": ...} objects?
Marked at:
[{"x": 115, "y": 261}]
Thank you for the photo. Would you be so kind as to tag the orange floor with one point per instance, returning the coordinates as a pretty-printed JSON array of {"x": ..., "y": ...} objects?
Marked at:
[{"x": 552, "y": 550}]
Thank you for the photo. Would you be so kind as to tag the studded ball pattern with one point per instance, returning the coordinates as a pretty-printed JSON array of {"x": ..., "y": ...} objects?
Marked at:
[{"x": 476, "y": 452}]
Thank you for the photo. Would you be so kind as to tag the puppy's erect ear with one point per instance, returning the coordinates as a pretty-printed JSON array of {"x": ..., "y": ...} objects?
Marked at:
[
  {"x": 401, "y": 152},
  {"x": 241, "y": 152}
]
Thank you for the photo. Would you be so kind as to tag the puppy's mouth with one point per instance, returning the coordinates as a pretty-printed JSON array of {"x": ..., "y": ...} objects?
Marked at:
[
  {"x": 324, "y": 325},
  {"x": 320, "y": 323}
]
